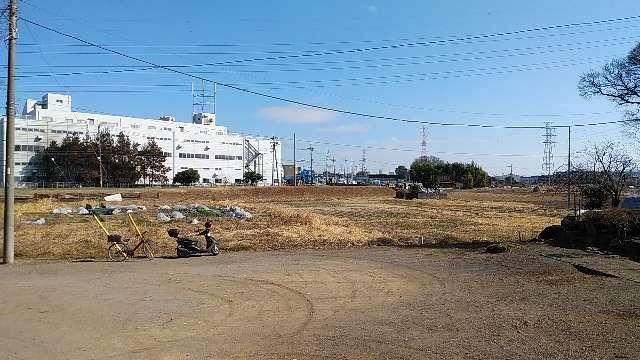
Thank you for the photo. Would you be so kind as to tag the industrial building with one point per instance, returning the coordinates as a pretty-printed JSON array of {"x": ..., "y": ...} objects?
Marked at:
[{"x": 221, "y": 157}]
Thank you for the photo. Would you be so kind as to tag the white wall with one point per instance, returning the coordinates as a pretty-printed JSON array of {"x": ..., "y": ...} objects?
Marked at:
[{"x": 38, "y": 127}]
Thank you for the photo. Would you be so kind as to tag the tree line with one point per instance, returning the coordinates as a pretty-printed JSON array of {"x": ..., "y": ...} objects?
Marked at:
[
  {"x": 124, "y": 163},
  {"x": 431, "y": 171}
]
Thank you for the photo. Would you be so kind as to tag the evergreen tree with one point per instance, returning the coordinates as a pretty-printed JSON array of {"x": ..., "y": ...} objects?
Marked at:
[{"x": 151, "y": 164}]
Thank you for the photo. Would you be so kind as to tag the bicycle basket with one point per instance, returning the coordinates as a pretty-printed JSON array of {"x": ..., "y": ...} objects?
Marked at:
[{"x": 114, "y": 238}]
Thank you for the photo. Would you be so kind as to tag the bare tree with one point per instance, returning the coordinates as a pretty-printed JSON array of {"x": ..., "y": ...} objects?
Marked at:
[
  {"x": 603, "y": 173},
  {"x": 618, "y": 81},
  {"x": 613, "y": 168}
]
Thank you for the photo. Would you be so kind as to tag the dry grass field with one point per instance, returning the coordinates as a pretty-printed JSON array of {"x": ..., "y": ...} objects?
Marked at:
[{"x": 303, "y": 217}]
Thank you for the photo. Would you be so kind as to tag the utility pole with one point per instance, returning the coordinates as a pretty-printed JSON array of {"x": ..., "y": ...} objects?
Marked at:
[
  {"x": 295, "y": 168},
  {"x": 363, "y": 161},
  {"x": 9, "y": 176},
  {"x": 310, "y": 148},
  {"x": 326, "y": 168},
  {"x": 335, "y": 176},
  {"x": 346, "y": 179},
  {"x": 274, "y": 165},
  {"x": 511, "y": 175},
  {"x": 100, "y": 153},
  {"x": 569, "y": 171}
]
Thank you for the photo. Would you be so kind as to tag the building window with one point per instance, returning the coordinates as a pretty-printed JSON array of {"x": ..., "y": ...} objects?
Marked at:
[
  {"x": 135, "y": 126},
  {"x": 193, "y": 156},
  {"x": 82, "y": 121},
  {"x": 29, "y": 148},
  {"x": 167, "y": 154},
  {"x": 228, "y": 157},
  {"x": 59, "y": 101},
  {"x": 47, "y": 118},
  {"x": 151, "y": 127}
]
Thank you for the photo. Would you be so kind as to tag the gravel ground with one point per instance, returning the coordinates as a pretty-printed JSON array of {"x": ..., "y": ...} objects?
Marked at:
[{"x": 373, "y": 303}]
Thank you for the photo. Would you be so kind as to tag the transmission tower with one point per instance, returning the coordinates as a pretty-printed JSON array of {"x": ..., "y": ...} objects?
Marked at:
[
  {"x": 423, "y": 149},
  {"x": 203, "y": 101},
  {"x": 547, "y": 159},
  {"x": 363, "y": 162}
]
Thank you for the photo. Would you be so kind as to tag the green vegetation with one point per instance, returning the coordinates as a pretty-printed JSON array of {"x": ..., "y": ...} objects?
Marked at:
[
  {"x": 252, "y": 178},
  {"x": 186, "y": 177},
  {"x": 431, "y": 171},
  {"x": 76, "y": 160}
]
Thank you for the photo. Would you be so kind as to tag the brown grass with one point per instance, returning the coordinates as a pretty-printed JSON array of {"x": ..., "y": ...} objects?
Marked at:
[{"x": 286, "y": 218}]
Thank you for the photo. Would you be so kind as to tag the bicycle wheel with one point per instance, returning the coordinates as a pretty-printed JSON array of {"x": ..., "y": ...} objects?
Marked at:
[
  {"x": 147, "y": 250},
  {"x": 117, "y": 252}
]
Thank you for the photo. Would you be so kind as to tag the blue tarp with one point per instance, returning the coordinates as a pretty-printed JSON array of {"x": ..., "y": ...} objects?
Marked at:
[{"x": 630, "y": 202}]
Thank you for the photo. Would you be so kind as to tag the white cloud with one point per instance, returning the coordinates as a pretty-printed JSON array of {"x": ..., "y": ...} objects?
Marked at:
[
  {"x": 293, "y": 114},
  {"x": 347, "y": 128}
]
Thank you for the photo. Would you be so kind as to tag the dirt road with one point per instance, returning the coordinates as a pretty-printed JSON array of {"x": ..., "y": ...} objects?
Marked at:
[{"x": 376, "y": 303}]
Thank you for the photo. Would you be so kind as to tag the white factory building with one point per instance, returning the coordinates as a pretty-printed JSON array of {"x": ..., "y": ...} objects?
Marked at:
[{"x": 221, "y": 157}]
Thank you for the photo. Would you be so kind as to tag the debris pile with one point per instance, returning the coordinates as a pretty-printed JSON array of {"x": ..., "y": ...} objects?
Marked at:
[
  {"x": 100, "y": 209},
  {"x": 194, "y": 211},
  {"x": 39, "y": 221},
  {"x": 236, "y": 212}
]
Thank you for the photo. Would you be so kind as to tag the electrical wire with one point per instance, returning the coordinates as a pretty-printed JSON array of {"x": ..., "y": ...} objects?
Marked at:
[
  {"x": 274, "y": 97},
  {"x": 608, "y": 42}
]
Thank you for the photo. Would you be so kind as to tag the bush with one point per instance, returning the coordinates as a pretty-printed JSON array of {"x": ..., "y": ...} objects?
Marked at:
[
  {"x": 594, "y": 197},
  {"x": 186, "y": 177},
  {"x": 252, "y": 178}
]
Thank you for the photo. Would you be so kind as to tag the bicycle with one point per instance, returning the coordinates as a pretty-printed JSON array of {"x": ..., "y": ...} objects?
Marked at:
[{"x": 119, "y": 249}]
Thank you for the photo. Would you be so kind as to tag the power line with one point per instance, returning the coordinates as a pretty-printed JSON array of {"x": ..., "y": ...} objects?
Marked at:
[
  {"x": 318, "y": 43},
  {"x": 451, "y": 40},
  {"x": 301, "y": 103},
  {"x": 474, "y": 56},
  {"x": 370, "y": 79}
]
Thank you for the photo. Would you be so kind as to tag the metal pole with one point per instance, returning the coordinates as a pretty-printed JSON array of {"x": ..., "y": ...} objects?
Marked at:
[
  {"x": 295, "y": 169},
  {"x": 9, "y": 177},
  {"x": 100, "y": 153},
  {"x": 569, "y": 171},
  {"x": 511, "y": 175}
]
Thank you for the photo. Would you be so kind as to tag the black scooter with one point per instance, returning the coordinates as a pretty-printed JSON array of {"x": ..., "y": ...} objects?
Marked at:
[{"x": 189, "y": 247}]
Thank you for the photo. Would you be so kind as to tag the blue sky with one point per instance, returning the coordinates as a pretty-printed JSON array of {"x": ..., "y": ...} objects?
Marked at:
[{"x": 523, "y": 79}]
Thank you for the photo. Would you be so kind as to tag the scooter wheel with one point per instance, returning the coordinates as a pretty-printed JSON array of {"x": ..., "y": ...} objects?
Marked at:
[
  {"x": 215, "y": 250},
  {"x": 182, "y": 253}
]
